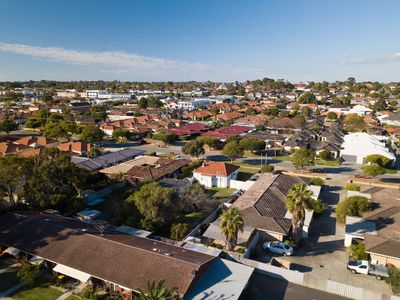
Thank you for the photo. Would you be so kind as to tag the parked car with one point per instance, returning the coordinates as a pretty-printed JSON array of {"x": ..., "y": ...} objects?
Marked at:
[
  {"x": 278, "y": 247},
  {"x": 365, "y": 267}
]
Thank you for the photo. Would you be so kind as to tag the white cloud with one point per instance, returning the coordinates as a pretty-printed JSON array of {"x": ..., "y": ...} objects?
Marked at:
[
  {"x": 368, "y": 61},
  {"x": 123, "y": 62}
]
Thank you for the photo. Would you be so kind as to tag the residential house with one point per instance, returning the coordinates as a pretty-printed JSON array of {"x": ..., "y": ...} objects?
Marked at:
[
  {"x": 81, "y": 148},
  {"x": 165, "y": 168},
  {"x": 263, "y": 206},
  {"x": 216, "y": 174},
  {"x": 224, "y": 133},
  {"x": 122, "y": 262}
]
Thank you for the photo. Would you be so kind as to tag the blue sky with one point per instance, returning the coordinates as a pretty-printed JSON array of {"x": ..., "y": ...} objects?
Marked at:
[{"x": 199, "y": 40}]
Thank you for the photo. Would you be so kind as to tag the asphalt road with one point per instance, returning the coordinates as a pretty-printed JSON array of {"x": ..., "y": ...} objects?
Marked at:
[{"x": 262, "y": 287}]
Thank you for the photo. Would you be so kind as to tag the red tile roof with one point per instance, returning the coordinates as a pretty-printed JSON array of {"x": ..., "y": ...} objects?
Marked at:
[{"x": 214, "y": 168}]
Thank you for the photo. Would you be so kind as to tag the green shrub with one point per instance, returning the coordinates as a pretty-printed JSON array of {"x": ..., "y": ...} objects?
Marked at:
[
  {"x": 28, "y": 273},
  {"x": 352, "y": 187},
  {"x": 357, "y": 252},
  {"x": 318, "y": 206},
  {"x": 352, "y": 206},
  {"x": 317, "y": 181},
  {"x": 325, "y": 155},
  {"x": 267, "y": 169},
  {"x": 379, "y": 160},
  {"x": 394, "y": 279},
  {"x": 187, "y": 171}
]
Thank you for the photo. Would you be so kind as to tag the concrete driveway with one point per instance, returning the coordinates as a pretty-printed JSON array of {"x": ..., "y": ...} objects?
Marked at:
[{"x": 323, "y": 253}]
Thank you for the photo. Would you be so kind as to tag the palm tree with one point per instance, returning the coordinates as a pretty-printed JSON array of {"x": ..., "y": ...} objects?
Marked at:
[
  {"x": 179, "y": 230},
  {"x": 298, "y": 199},
  {"x": 230, "y": 224},
  {"x": 158, "y": 291}
]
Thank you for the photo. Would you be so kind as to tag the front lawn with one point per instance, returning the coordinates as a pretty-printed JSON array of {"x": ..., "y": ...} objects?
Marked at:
[
  {"x": 330, "y": 163},
  {"x": 73, "y": 297},
  {"x": 8, "y": 279},
  {"x": 390, "y": 171},
  {"x": 245, "y": 173},
  {"x": 280, "y": 157},
  {"x": 220, "y": 193},
  {"x": 40, "y": 291},
  {"x": 256, "y": 167}
]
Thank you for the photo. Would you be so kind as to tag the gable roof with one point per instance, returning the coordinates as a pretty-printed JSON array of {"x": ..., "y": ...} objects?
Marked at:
[{"x": 126, "y": 260}]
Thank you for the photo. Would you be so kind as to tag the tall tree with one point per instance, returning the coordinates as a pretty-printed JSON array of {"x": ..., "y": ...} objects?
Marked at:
[
  {"x": 233, "y": 150},
  {"x": 155, "y": 203},
  {"x": 252, "y": 144},
  {"x": 8, "y": 125},
  {"x": 302, "y": 157},
  {"x": 193, "y": 148},
  {"x": 158, "y": 291},
  {"x": 373, "y": 170},
  {"x": 91, "y": 134},
  {"x": 354, "y": 123},
  {"x": 298, "y": 199},
  {"x": 55, "y": 182},
  {"x": 231, "y": 223},
  {"x": 14, "y": 173},
  {"x": 179, "y": 230}
]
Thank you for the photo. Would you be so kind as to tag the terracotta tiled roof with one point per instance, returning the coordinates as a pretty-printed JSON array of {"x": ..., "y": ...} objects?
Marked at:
[
  {"x": 229, "y": 116},
  {"x": 214, "y": 168},
  {"x": 75, "y": 147}
]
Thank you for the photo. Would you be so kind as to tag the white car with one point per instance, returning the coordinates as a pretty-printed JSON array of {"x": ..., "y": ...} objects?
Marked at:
[{"x": 278, "y": 247}]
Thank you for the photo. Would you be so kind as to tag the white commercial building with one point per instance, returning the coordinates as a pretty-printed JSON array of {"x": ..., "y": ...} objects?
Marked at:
[{"x": 357, "y": 146}]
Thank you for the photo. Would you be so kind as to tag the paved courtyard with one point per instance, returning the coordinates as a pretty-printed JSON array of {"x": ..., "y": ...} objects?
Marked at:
[{"x": 324, "y": 253}]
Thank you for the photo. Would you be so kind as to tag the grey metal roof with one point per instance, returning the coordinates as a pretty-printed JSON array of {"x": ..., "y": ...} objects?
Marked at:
[{"x": 106, "y": 160}]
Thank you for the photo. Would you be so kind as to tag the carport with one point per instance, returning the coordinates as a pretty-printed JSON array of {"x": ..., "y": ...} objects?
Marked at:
[
  {"x": 71, "y": 272},
  {"x": 356, "y": 228},
  {"x": 12, "y": 251}
]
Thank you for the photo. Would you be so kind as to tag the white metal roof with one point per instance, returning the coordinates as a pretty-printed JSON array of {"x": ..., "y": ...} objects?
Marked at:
[
  {"x": 224, "y": 279},
  {"x": 74, "y": 273},
  {"x": 12, "y": 251},
  {"x": 36, "y": 260},
  {"x": 363, "y": 144}
]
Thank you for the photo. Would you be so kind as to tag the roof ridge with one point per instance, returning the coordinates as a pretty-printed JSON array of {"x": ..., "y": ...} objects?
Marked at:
[
  {"x": 116, "y": 242},
  {"x": 259, "y": 198}
]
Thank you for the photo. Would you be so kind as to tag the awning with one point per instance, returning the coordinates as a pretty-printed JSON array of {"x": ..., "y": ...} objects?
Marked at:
[
  {"x": 12, "y": 251},
  {"x": 36, "y": 260},
  {"x": 71, "y": 272}
]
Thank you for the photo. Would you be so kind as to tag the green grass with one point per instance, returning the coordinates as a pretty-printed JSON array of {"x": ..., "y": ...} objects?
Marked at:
[
  {"x": 245, "y": 173},
  {"x": 330, "y": 163},
  {"x": 246, "y": 165},
  {"x": 280, "y": 157},
  {"x": 8, "y": 279},
  {"x": 40, "y": 291},
  {"x": 220, "y": 193},
  {"x": 390, "y": 171},
  {"x": 73, "y": 297}
]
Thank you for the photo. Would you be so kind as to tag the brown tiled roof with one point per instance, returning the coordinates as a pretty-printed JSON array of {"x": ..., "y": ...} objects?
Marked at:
[
  {"x": 7, "y": 148},
  {"x": 156, "y": 172},
  {"x": 123, "y": 259},
  {"x": 264, "y": 205},
  {"x": 229, "y": 116},
  {"x": 215, "y": 168},
  {"x": 381, "y": 245}
]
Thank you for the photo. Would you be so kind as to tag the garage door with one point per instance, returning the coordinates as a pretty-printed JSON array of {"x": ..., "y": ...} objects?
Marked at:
[{"x": 350, "y": 158}]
